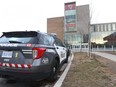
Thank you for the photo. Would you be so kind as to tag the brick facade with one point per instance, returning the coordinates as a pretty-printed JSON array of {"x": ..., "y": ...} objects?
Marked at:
[{"x": 56, "y": 25}]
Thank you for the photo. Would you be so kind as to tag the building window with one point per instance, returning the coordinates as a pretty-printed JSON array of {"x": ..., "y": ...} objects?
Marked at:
[
  {"x": 105, "y": 27},
  {"x": 92, "y": 29},
  {"x": 70, "y": 12},
  {"x": 70, "y": 28},
  {"x": 113, "y": 27},
  {"x": 109, "y": 27},
  {"x": 98, "y": 28},
  {"x": 102, "y": 28}
]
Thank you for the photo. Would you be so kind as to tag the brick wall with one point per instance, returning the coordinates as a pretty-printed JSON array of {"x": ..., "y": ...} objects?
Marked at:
[{"x": 56, "y": 25}]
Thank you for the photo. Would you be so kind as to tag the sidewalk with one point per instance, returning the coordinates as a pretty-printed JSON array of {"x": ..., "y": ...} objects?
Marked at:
[{"x": 106, "y": 55}]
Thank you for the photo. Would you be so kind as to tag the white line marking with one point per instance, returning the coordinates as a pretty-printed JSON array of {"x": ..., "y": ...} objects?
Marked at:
[
  {"x": 61, "y": 79},
  {"x": 3, "y": 64},
  {"x": 7, "y": 65},
  {"x": 19, "y": 65},
  {"x": 25, "y": 66},
  {"x": 13, "y": 65}
]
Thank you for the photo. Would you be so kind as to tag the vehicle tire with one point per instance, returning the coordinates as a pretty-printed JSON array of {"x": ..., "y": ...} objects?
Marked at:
[{"x": 54, "y": 71}]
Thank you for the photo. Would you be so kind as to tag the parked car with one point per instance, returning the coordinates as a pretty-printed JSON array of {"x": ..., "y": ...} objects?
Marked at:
[{"x": 31, "y": 55}]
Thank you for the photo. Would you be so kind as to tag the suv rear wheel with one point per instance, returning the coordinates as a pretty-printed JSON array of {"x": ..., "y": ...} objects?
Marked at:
[{"x": 54, "y": 71}]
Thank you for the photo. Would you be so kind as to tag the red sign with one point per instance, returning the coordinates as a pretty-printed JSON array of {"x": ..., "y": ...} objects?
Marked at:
[
  {"x": 70, "y": 25},
  {"x": 70, "y": 6}
]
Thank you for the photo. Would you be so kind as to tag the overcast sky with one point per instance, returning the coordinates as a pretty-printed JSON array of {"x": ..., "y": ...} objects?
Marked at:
[{"x": 32, "y": 14}]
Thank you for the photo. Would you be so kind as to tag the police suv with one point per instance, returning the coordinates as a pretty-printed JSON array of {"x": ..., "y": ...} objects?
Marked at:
[{"x": 31, "y": 55}]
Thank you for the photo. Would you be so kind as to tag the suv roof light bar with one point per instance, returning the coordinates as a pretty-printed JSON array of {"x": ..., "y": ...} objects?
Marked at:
[{"x": 54, "y": 34}]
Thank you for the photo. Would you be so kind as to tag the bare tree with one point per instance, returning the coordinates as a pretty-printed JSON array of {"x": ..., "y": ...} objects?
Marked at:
[{"x": 92, "y": 11}]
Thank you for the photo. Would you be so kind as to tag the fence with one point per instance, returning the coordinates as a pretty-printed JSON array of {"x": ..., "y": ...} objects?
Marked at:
[{"x": 97, "y": 48}]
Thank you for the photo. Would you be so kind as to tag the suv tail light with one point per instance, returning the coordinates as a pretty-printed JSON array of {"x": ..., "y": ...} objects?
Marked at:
[{"x": 38, "y": 52}]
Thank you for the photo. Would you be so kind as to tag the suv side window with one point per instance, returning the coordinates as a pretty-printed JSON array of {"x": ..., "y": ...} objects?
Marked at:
[
  {"x": 58, "y": 42},
  {"x": 51, "y": 40},
  {"x": 46, "y": 40}
]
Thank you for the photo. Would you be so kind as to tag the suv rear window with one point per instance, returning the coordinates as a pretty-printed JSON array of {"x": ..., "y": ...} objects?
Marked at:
[{"x": 18, "y": 37}]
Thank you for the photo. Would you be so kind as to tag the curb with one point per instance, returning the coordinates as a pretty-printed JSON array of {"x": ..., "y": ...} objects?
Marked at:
[{"x": 61, "y": 79}]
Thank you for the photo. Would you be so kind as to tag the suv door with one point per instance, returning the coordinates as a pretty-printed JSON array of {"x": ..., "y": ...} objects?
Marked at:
[{"x": 61, "y": 50}]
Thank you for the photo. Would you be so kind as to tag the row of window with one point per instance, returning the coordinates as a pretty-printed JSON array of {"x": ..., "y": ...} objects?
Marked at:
[
  {"x": 73, "y": 38},
  {"x": 103, "y": 27},
  {"x": 70, "y": 12},
  {"x": 97, "y": 37},
  {"x": 70, "y": 29}
]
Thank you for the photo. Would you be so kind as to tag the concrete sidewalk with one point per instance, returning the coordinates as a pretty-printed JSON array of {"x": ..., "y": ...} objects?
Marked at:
[{"x": 106, "y": 55}]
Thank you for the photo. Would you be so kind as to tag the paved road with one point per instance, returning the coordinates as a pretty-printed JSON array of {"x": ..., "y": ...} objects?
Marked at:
[
  {"x": 11, "y": 83},
  {"x": 14, "y": 84},
  {"x": 4, "y": 83},
  {"x": 106, "y": 55}
]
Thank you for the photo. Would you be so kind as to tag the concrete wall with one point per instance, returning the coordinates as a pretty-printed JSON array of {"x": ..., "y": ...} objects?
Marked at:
[{"x": 83, "y": 18}]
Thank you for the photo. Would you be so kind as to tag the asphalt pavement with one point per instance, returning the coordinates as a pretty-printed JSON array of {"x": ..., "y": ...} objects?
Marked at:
[{"x": 5, "y": 83}]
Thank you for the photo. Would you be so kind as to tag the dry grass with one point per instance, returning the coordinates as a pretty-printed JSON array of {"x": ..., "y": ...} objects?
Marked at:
[{"x": 86, "y": 72}]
